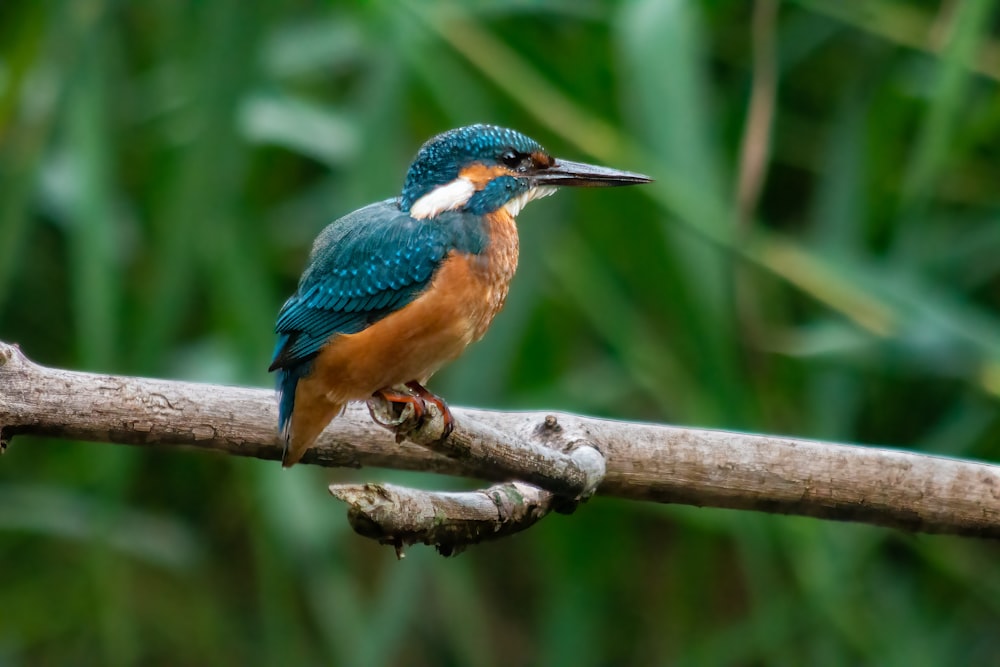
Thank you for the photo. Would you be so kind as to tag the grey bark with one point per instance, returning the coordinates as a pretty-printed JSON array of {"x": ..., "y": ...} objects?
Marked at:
[{"x": 554, "y": 451}]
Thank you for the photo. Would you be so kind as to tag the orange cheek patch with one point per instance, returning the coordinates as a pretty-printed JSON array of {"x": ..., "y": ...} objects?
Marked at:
[
  {"x": 479, "y": 174},
  {"x": 543, "y": 160}
]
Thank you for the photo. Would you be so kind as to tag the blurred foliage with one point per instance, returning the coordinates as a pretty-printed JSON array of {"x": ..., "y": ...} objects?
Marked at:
[{"x": 165, "y": 165}]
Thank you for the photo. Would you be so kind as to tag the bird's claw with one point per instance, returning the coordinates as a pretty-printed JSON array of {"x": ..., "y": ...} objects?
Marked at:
[
  {"x": 407, "y": 413},
  {"x": 448, "y": 421},
  {"x": 400, "y": 417}
]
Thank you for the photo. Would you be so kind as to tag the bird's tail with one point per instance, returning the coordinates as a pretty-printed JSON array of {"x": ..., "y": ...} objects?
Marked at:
[
  {"x": 287, "y": 382},
  {"x": 311, "y": 416},
  {"x": 303, "y": 412}
]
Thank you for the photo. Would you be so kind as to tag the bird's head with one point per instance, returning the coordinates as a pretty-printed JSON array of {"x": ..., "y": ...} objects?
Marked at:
[{"x": 482, "y": 168}]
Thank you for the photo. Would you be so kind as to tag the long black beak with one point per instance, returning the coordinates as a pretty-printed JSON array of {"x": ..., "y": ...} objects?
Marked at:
[{"x": 578, "y": 174}]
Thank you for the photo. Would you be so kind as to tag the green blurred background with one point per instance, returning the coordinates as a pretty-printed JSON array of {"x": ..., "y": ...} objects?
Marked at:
[{"x": 165, "y": 165}]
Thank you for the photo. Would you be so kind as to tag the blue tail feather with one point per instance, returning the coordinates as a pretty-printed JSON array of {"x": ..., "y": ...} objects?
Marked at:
[{"x": 287, "y": 379}]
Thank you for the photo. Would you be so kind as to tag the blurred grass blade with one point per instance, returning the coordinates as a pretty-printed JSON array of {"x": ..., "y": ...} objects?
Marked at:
[
  {"x": 905, "y": 24},
  {"x": 467, "y": 620},
  {"x": 59, "y": 514},
  {"x": 299, "y": 126},
  {"x": 671, "y": 106},
  {"x": 519, "y": 79},
  {"x": 965, "y": 33},
  {"x": 675, "y": 122},
  {"x": 201, "y": 183},
  {"x": 839, "y": 205},
  {"x": 611, "y": 313},
  {"x": 302, "y": 48},
  {"x": 94, "y": 237},
  {"x": 397, "y": 606},
  {"x": 296, "y": 529},
  {"x": 229, "y": 261},
  {"x": 28, "y": 106}
]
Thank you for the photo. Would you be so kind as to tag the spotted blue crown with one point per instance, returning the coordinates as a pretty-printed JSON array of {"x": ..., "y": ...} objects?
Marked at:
[{"x": 439, "y": 160}]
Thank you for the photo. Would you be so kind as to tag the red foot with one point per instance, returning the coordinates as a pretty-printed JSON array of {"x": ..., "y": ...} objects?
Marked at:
[
  {"x": 418, "y": 400},
  {"x": 449, "y": 421},
  {"x": 399, "y": 398}
]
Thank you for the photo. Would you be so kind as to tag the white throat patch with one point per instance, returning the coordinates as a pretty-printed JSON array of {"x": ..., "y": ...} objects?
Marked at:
[
  {"x": 515, "y": 205},
  {"x": 443, "y": 198},
  {"x": 457, "y": 194}
]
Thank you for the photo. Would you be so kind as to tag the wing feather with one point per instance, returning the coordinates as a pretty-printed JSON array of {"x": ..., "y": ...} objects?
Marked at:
[{"x": 363, "y": 267}]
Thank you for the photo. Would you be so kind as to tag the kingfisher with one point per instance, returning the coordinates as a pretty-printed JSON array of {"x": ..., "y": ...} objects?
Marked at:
[{"x": 397, "y": 289}]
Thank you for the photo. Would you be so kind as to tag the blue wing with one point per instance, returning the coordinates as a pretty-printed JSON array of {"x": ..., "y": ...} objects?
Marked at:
[{"x": 363, "y": 267}]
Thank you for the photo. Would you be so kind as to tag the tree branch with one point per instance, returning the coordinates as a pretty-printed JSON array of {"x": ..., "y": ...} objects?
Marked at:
[
  {"x": 644, "y": 461},
  {"x": 399, "y": 516},
  {"x": 566, "y": 467}
]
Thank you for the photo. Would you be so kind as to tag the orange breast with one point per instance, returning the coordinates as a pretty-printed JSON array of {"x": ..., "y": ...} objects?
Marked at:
[{"x": 414, "y": 342}]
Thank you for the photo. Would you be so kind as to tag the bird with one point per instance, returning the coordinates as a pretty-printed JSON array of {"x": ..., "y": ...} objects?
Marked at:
[{"x": 398, "y": 288}]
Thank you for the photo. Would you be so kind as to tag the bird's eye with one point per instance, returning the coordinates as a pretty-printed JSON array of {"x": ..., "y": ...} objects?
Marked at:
[{"x": 511, "y": 159}]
